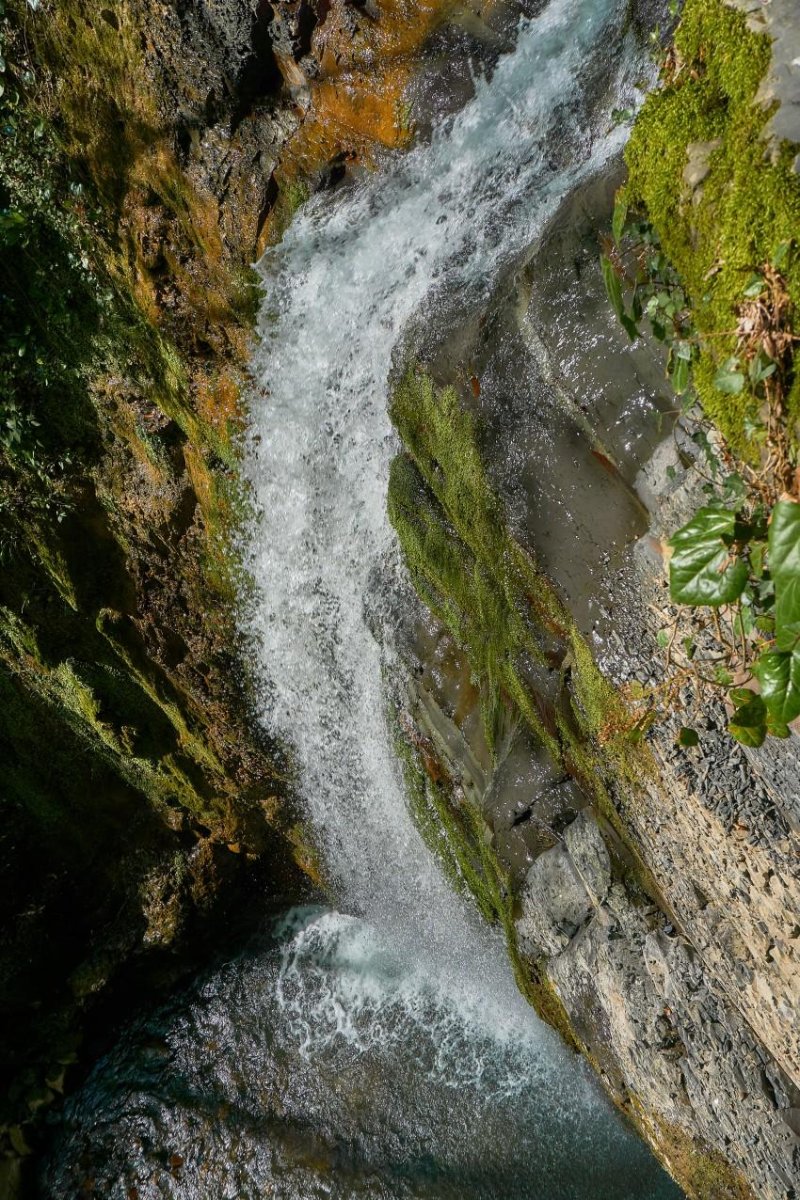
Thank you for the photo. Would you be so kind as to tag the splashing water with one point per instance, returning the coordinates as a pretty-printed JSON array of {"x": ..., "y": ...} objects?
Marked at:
[{"x": 319, "y": 1066}]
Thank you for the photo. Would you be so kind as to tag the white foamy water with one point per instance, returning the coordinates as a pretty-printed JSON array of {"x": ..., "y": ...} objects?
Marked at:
[
  {"x": 342, "y": 989},
  {"x": 342, "y": 289}
]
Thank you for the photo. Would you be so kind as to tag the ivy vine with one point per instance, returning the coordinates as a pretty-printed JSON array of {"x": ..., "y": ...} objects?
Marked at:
[{"x": 735, "y": 566}]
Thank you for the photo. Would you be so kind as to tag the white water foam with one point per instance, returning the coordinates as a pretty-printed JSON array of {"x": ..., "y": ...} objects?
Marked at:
[
  {"x": 342, "y": 289},
  {"x": 340, "y": 988}
]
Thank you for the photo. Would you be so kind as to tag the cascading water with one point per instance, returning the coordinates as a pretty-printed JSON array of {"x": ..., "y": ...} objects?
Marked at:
[
  {"x": 384, "y": 1053},
  {"x": 342, "y": 290},
  {"x": 346, "y": 286}
]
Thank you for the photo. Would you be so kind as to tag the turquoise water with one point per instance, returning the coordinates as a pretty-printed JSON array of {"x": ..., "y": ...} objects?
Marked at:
[{"x": 320, "y": 1065}]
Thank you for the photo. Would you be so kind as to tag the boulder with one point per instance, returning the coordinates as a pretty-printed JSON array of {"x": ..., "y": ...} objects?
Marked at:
[{"x": 563, "y": 887}]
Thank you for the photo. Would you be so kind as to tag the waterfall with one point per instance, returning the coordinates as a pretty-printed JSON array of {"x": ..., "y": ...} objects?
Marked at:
[
  {"x": 383, "y": 1050},
  {"x": 352, "y": 275}
]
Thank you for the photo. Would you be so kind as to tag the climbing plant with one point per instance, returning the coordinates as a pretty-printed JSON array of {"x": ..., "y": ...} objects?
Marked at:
[{"x": 735, "y": 565}]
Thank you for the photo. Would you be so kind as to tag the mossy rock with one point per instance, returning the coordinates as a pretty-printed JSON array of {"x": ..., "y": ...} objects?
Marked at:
[{"x": 717, "y": 232}]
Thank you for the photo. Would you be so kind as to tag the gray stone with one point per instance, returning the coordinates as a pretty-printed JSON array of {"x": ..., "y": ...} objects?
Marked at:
[
  {"x": 697, "y": 165},
  {"x": 563, "y": 887},
  {"x": 590, "y": 857},
  {"x": 554, "y": 903},
  {"x": 778, "y": 18}
]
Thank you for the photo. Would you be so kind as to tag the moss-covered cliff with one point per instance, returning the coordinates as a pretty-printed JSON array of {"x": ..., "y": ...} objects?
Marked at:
[
  {"x": 721, "y": 193},
  {"x": 669, "y": 955},
  {"x": 136, "y": 790}
]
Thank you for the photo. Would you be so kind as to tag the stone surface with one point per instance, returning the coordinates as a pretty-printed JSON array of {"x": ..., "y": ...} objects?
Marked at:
[
  {"x": 781, "y": 21},
  {"x": 662, "y": 1034},
  {"x": 563, "y": 887},
  {"x": 692, "y": 1010},
  {"x": 589, "y": 855},
  {"x": 697, "y": 165}
]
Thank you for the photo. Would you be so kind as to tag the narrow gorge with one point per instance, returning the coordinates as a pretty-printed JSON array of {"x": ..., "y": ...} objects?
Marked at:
[{"x": 398, "y": 635}]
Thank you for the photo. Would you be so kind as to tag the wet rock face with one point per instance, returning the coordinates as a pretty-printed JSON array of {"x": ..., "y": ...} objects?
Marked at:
[{"x": 778, "y": 18}]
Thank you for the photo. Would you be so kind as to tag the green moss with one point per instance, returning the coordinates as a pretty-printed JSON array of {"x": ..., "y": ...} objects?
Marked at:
[
  {"x": 500, "y": 608},
  {"x": 748, "y": 204},
  {"x": 701, "y": 1170},
  {"x": 466, "y": 566},
  {"x": 292, "y": 195}
]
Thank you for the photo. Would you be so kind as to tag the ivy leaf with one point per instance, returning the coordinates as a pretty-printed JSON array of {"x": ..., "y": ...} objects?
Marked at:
[
  {"x": 749, "y": 723},
  {"x": 744, "y": 622},
  {"x": 784, "y": 567},
  {"x": 784, "y": 542},
  {"x": 754, "y": 430},
  {"x": 703, "y": 569},
  {"x": 688, "y": 737},
  {"x": 700, "y": 439},
  {"x": 680, "y": 375},
  {"x": 613, "y": 286},
  {"x": 630, "y": 326},
  {"x": 729, "y": 379},
  {"x": 734, "y": 487},
  {"x": 787, "y": 614},
  {"x": 779, "y": 676},
  {"x": 761, "y": 368},
  {"x": 777, "y": 728},
  {"x": 781, "y": 254},
  {"x": 754, "y": 286},
  {"x": 614, "y": 289},
  {"x": 757, "y": 558}
]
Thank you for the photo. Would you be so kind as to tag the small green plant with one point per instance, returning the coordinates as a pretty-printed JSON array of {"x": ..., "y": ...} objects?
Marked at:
[
  {"x": 732, "y": 559},
  {"x": 738, "y": 558},
  {"x": 634, "y": 261}
]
